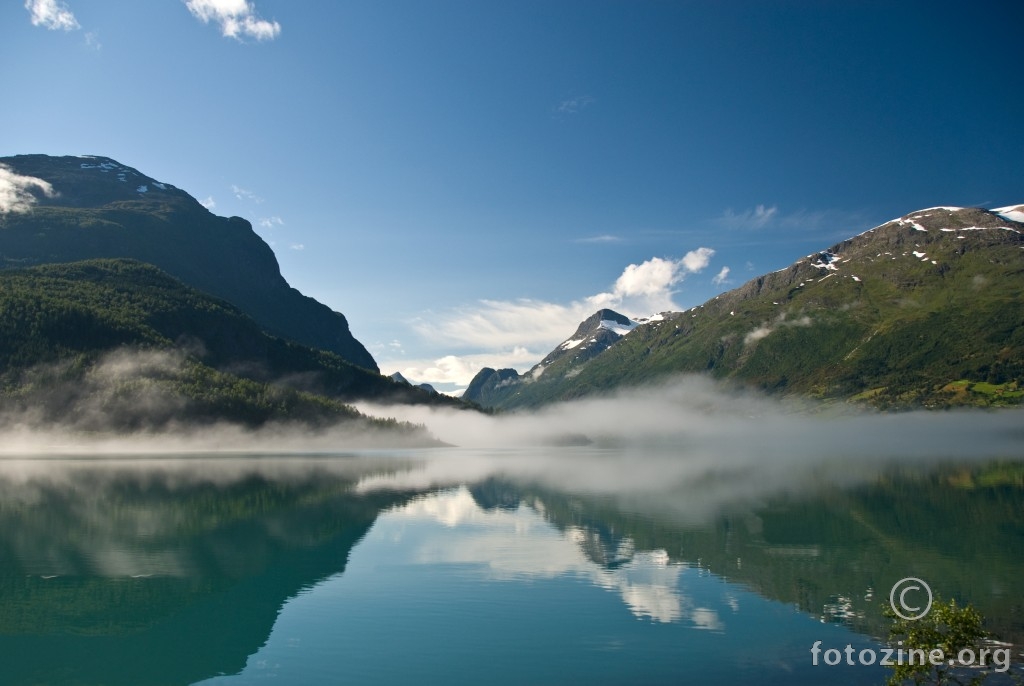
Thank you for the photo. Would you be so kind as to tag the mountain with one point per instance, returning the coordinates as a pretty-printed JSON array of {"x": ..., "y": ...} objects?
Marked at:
[
  {"x": 594, "y": 335},
  {"x": 121, "y": 345},
  {"x": 81, "y": 208},
  {"x": 397, "y": 376},
  {"x": 924, "y": 310},
  {"x": 490, "y": 387}
]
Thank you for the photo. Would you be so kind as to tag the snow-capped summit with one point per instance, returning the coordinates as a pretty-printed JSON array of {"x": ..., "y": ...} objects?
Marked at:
[{"x": 593, "y": 336}]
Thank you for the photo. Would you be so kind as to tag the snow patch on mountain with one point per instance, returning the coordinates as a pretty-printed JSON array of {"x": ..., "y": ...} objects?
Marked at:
[
  {"x": 989, "y": 228},
  {"x": 617, "y": 327},
  {"x": 1015, "y": 213},
  {"x": 826, "y": 260}
]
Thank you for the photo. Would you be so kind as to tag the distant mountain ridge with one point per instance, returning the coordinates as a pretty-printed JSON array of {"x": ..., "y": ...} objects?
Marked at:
[
  {"x": 397, "y": 376},
  {"x": 102, "y": 209},
  {"x": 924, "y": 310}
]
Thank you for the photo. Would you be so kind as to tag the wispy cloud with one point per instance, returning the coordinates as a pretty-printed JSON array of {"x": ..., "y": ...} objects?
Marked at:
[
  {"x": 270, "y": 222},
  {"x": 244, "y": 194},
  {"x": 766, "y": 328},
  {"x": 209, "y": 203},
  {"x": 52, "y": 14},
  {"x": 237, "y": 18},
  {"x": 834, "y": 221},
  {"x": 755, "y": 218},
  {"x": 722, "y": 277},
  {"x": 393, "y": 348},
  {"x": 575, "y": 104},
  {"x": 297, "y": 246},
  {"x": 501, "y": 324},
  {"x": 603, "y": 238},
  {"x": 16, "y": 191}
]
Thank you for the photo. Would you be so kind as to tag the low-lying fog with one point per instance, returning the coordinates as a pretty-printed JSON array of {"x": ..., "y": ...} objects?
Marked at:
[{"x": 687, "y": 447}]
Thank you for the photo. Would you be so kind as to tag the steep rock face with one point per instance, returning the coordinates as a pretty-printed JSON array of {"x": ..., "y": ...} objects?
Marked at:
[{"x": 95, "y": 207}]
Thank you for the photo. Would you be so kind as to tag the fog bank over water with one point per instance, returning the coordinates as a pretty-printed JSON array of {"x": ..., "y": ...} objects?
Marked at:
[
  {"x": 686, "y": 447},
  {"x": 692, "y": 448},
  {"x": 694, "y": 414},
  {"x": 29, "y": 440}
]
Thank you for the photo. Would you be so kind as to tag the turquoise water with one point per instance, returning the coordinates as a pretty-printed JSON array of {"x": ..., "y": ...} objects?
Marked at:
[{"x": 452, "y": 568}]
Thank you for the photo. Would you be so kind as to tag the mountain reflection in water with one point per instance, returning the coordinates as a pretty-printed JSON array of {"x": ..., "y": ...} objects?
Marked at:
[{"x": 173, "y": 571}]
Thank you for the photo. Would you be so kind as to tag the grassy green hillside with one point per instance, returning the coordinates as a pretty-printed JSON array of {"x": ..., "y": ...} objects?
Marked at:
[
  {"x": 120, "y": 344},
  {"x": 927, "y": 310}
]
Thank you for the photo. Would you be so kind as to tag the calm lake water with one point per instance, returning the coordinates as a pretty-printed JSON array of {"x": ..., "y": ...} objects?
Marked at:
[{"x": 453, "y": 566}]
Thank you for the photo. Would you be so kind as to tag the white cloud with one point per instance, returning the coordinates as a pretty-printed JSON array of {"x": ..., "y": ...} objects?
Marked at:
[
  {"x": 721, "y": 277},
  {"x": 757, "y": 334},
  {"x": 575, "y": 104},
  {"x": 209, "y": 203},
  {"x": 502, "y": 325},
  {"x": 244, "y": 194},
  {"x": 646, "y": 288},
  {"x": 604, "y": 238},
  {"x": 765, "y": 329},
  {"x": 647, "y": 278},
  {"x": 460, "y": 369},
  {"x": 92, "y": 41},
  {"x": 237, "y": 18},
  {"x": 497, "y": 324},
  {"x": 270, "y": 222},
  {"x": 15, "y": 191},
  {"x": 756, "y": 218},
  {"x": 297, "y": 246},
  {"x": 696, "y": 260},
  {"x": 52, "y": 14}
]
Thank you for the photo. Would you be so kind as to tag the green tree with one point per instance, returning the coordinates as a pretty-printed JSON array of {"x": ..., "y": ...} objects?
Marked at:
[{"x": 947, "y": 632}]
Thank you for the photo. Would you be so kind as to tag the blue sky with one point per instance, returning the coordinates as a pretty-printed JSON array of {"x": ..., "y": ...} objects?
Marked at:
[{"x": 466, "y": 181}]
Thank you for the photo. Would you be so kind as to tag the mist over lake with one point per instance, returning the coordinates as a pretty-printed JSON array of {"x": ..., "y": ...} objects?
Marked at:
[{"x": 686, "y": 552}]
